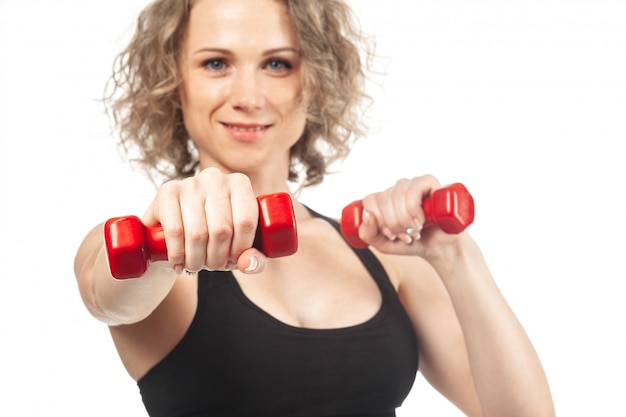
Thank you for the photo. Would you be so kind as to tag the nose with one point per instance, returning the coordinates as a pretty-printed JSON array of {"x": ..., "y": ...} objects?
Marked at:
[{"x": 247, "y": 91}]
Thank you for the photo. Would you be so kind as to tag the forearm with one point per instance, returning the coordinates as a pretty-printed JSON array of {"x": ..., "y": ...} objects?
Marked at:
[
  {"x": 508, "y": 374},
  {"x": 114, "y": 301}
]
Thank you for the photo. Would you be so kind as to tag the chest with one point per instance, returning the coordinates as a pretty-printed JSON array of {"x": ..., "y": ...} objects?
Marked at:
[
  {"x": 321, "y": 333},
  {"x": 237, "y": 355},
  {"x": 323, "y": 286}
]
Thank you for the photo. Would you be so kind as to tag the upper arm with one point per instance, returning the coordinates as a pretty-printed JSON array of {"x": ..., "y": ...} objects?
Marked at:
[
  {"x": 169, "y": 309},
  {"x": 443, "y": 355},
  {"x": 84, "y": 263},
  {"x": 114, "y": 301}
]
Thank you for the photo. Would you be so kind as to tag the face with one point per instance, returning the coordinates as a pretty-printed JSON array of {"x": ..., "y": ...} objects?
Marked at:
[{"x": 241, "y": 91}]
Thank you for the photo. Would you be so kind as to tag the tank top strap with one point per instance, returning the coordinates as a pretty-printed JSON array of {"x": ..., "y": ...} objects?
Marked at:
[{"x": 366, "y": 256}]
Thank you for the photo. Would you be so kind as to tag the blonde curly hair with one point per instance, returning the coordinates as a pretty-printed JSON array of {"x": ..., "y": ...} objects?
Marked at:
[{"x": 143, "y": 100}]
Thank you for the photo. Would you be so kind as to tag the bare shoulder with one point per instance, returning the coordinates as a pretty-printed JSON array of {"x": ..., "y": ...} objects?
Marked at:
[{"x": 410, "y": 273}]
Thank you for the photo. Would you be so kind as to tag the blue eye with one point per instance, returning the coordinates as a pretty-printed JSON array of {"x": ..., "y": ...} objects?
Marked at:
[
  {"x": 278, "y": 65},
  {"x": 215, "y": 64}
]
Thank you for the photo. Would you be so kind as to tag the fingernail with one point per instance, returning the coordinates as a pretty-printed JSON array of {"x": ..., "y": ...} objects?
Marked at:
[
  {"x": 408, "y": 239},
  {"x": 254, "y": 263},
  {"x": 367, "y": 217},
  {"x": 179, "y": 268},
  {"x": 389, "y": 234},
  {"x": 417, "y": 230}
]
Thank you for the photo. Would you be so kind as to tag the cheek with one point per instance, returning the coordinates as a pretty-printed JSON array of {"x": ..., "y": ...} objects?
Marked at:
[
  {"x": 194, "y": 123},
  {"x": 195, "y": 107},
  {"x": 290, "y": 100},
  {"x": 293, "y": 116},
  {"x": 297, "y": 124}
]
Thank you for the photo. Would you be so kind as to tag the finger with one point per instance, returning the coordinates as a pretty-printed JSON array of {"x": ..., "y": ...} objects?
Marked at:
[
  {"x": 251, "y": 261},
  {"x": 404, "y": 223},
  {"x": 195, "y": 226},
  {"x": 165, "y": 209},
  {"x": 218, "y": 212},
  {"x": 381, "y": 206},
  {"x": 423, "y": 188},
  {"x": 368, "y": 230},
  {"x": 245, "y": 215},
  {"x": 398, "y": 210}
]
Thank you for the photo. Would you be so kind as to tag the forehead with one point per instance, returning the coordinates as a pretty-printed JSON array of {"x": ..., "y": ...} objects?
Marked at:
[{"x": 240, "y": 23}]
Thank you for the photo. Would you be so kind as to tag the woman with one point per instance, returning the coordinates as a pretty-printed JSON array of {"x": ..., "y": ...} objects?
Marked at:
[{"x": 233, "y": 99}]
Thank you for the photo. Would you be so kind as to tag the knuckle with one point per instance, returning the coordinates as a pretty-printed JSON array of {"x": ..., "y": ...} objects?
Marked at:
[
  {"x": 247, "y": 226},
  {"x": 174, "y": 233},
  {"x": 431, "y": 179},
  {"x": 175, "y": 256},
  {"x": 169, "y": 188},
  {"x": 379, "y": 198},
  {"x": 222, "y": 233},
  {"x": 196, "y": 235},
  {"x": 209, "y": 175},
  {"x": 211, "y": 172},
  {"x": 214, "y": 265},
  {"x": 397, "y": 192},
  {"x": 194, "y": 266},
  {"x": 239, "y": 179}
]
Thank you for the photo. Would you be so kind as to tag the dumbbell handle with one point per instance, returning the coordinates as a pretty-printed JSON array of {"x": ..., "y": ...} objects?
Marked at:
[
  {"x": 131, "y": 245},
  {"x": 451, "y": 208}
]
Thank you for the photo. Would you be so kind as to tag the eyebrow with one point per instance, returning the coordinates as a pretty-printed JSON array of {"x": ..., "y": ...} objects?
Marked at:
[
  {"x": 265, "y": 53},
  {"x": 283, "y": 49}
]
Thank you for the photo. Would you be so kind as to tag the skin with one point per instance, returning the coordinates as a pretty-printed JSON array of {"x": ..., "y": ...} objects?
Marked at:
[{"x": 241, "y": 99}]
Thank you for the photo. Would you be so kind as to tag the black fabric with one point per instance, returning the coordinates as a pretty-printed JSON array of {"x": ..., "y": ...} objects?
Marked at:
[{"x": 237, "y": 360}]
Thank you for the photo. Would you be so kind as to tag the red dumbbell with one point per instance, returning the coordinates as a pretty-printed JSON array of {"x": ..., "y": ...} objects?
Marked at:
[
  {"x": 131, "y": 246},
  {"x": 451, "y": 208}
]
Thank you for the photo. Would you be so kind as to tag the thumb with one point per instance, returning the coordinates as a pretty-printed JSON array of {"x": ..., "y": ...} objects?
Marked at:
[
  {"x": 251, "y": 261},
  {"x": 368, "y": 230}
]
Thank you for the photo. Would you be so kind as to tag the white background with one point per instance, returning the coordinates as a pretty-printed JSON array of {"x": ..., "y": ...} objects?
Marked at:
[{"x": 523, "y": 101}]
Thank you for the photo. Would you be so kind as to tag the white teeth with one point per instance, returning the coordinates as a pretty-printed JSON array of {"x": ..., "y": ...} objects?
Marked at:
[{"x": 247, "y": 129}]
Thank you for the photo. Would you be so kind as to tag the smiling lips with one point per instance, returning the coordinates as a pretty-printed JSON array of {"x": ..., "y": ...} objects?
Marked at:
[{"x": 246, "y": 132}]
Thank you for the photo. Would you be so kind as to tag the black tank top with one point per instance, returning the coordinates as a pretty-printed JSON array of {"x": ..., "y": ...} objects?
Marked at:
[{"x": 236, "y": 360}]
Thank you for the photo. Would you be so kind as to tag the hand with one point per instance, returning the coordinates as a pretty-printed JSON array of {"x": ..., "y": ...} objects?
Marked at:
[
  {"x": 395, "y": 219},
  {"x": 209, "y": 221}
]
